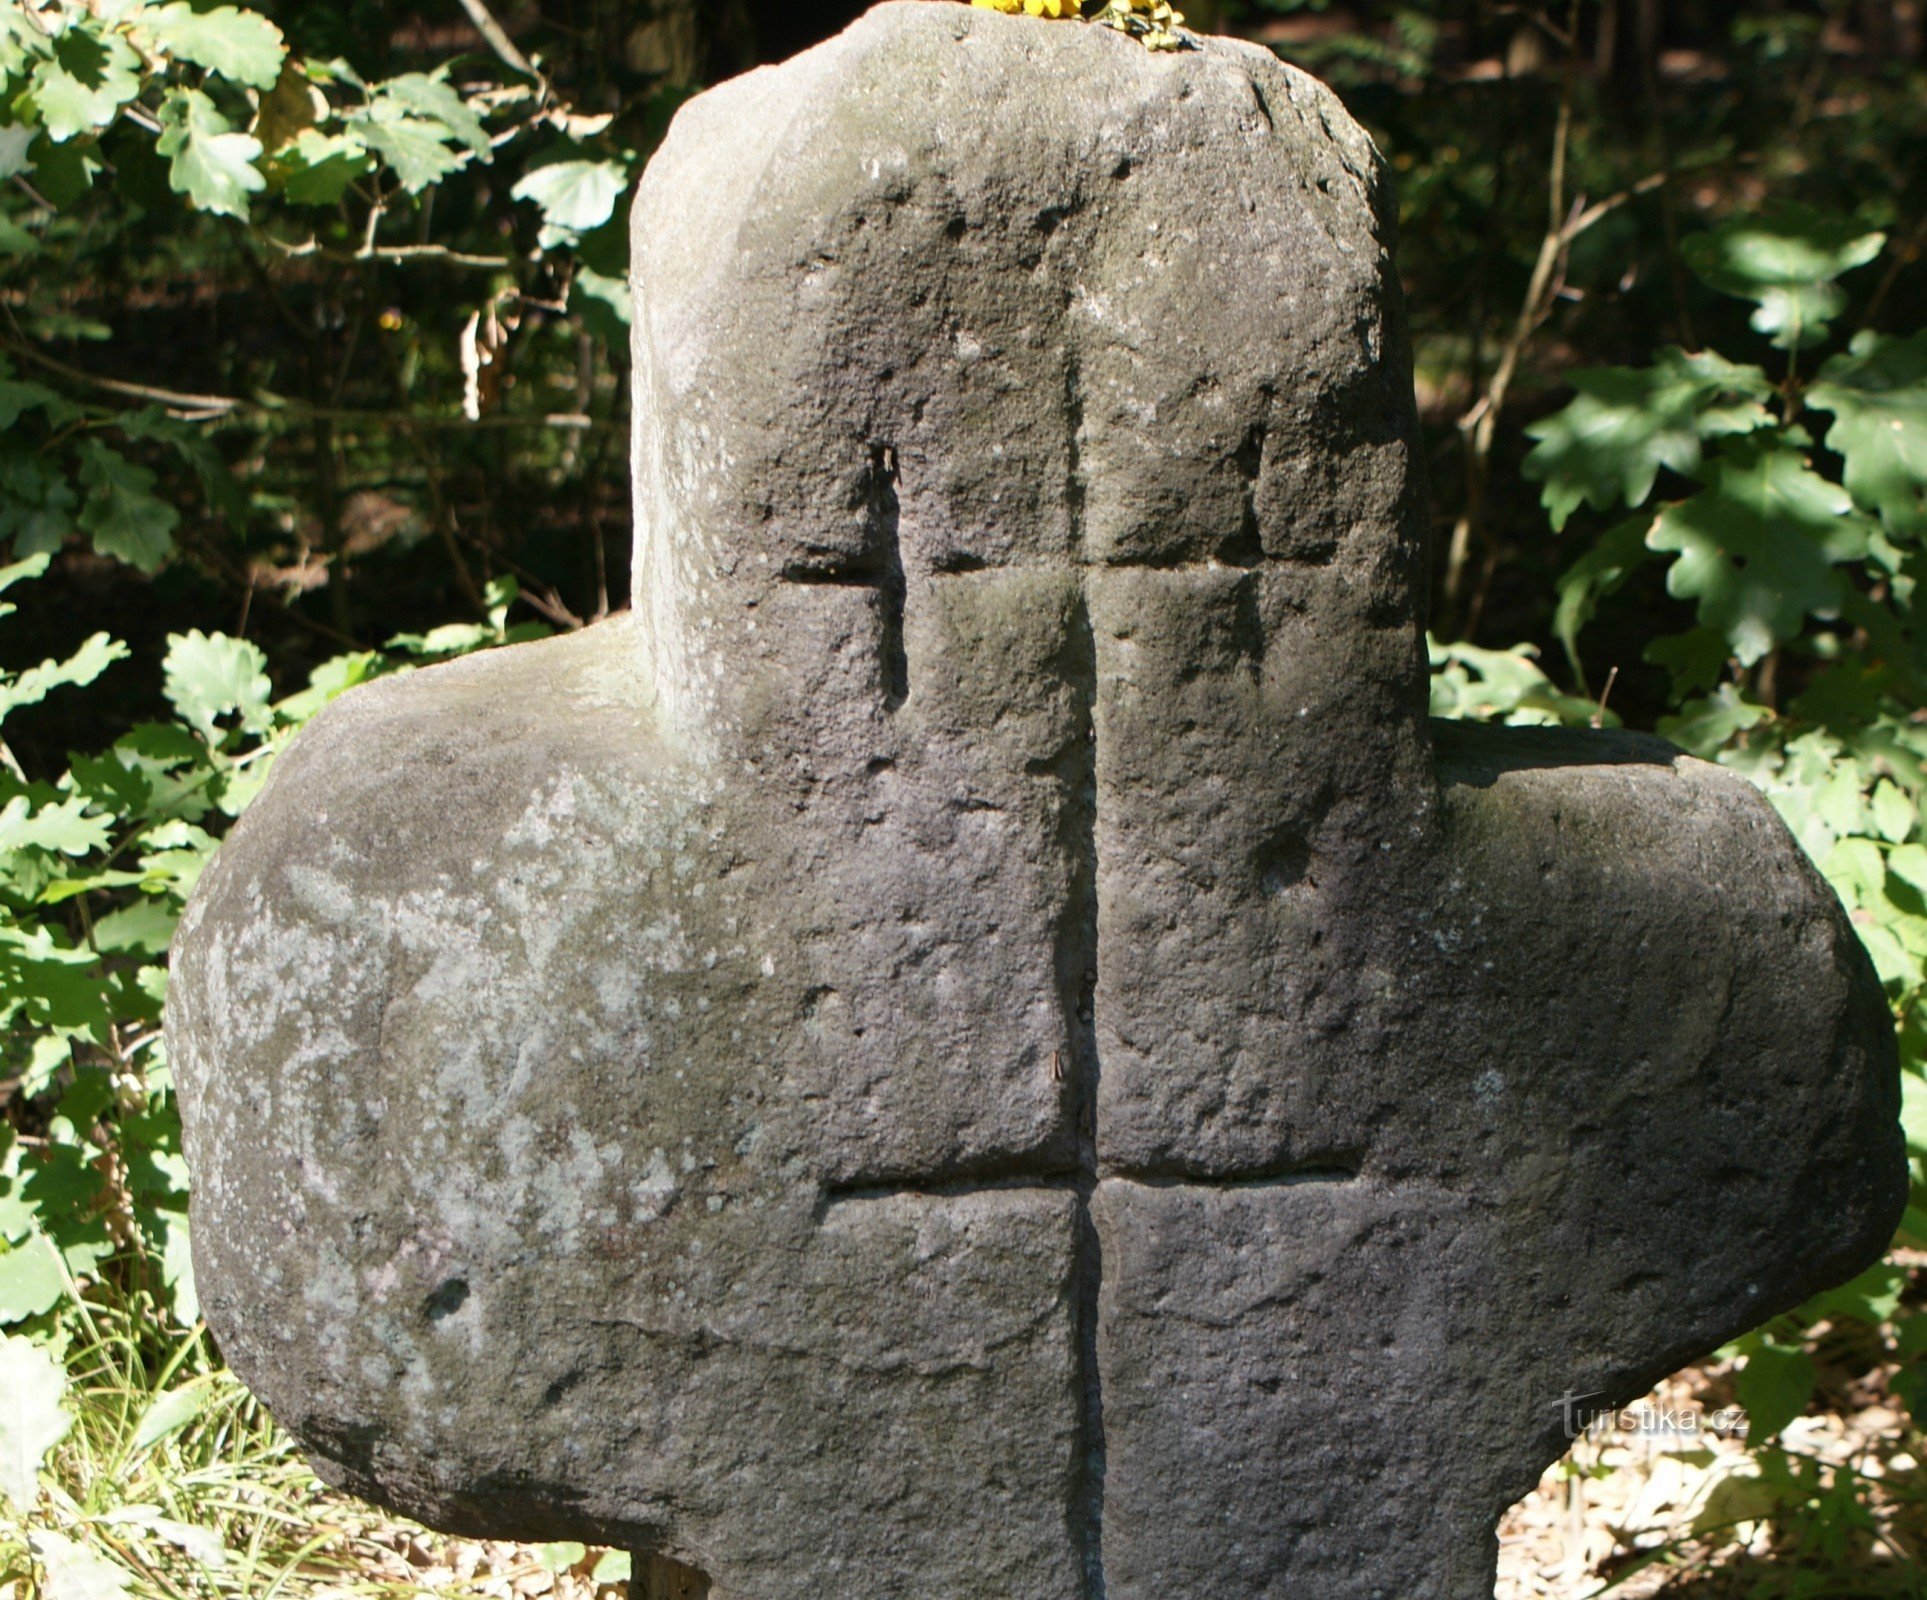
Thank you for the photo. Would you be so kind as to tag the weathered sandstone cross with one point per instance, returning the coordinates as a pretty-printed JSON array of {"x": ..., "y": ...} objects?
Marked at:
[{"x": 976, "y": 1044}]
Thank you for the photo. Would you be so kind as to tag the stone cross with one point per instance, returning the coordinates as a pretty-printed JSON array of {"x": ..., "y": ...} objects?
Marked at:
[{"x": 976, "y": 1043}]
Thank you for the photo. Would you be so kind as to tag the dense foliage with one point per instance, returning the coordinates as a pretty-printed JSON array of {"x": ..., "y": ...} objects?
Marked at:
[{"x": 311, "y": 368}]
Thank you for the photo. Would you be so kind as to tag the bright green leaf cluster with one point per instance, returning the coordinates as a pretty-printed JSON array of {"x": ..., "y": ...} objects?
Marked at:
[
  {"x": 206, "y": 102},
  {"x": 576, "y": 197},
  {"x": 1607, "y": 447},
  {"x": 1791, "y": 515},
  {"x": 1769, "y": 541},
  {"x": 251, "y": 121},
  {"x": 1785, "y": 258},
  {"x": 1757, "y": 547},
  {"x": 1477, "y": 685},
  {"x": 1877, "y": 395}
]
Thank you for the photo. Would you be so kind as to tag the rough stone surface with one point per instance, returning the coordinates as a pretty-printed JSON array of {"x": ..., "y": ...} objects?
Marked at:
[{"x": 976, "y": 1044}]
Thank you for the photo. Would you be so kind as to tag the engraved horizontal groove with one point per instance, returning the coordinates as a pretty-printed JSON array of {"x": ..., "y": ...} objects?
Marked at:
[
  {"x": 861, "y": 573},
  {"x": 1070, "y": 1180},
  {"x": 837, "y": 1194},
  {"x": 1261, "y": 1178}
]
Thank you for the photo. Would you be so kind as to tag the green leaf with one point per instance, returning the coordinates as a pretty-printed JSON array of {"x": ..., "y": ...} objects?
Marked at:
[
  {"x": 431, "y": 97},
  {"x": 209, "y": 676},
  {"x": 561, "y": 1556},
  {"x": 171, "y": 1412},
  {"x": 1599, "y": 572},
  {"x": 1628, "y": 422},
  {"x": 202, "y": 1545},
  {"x": 16, "y": 240},
  {"x": 36, "y": 503},
  {"x": 85, "y": 80},
  {"x": 332, "y": 679},
  {"x": 145, "y": 927},
  {"x": 1908, "y": 863},
  {"x": 603, "y": 303},
  {"x": 412, "y": 121},
  {"x": 15, "y": 141},
  {"x": 31, "y": 1283},
  {"x": 32, "y": 1418},
  {"x": 1480, "y": 685},
  {"x": 1707, "y": 725},
  {"x": 1756, "y": 548},
  {"x": 65, "y": 827},
  {"x": 170, "y": 1230},
  {"x": 1877, "y": 394},
  {"x": 82, "y": 1246},
  {"x": 160, "y": 745},
  {"x": 110, "y": 782},
  {"x": 612, "y": 1566},
  {"x": 194, "y": 445},
  {"x": 64, "y": 172},
  {"x": 22, "y": 572},
  {"x": 1894, "y": 815},
  {"x": 48, "y": 1054},
  {"x": 1695, "y": 660},
  {"x": 211, "y": 164},
  {"x": 121, "y": 513},
  {"x": 1785, "y": 259},
  {"x": 1913, "y": 1112},
  {"x": 1873, "y": 1297},
  {"x": 174, "y": 872},
  {"x": 239, "y": 45},
  {"x": 1774, "y": 1386},
  {"x": 86, "y": 664},
  {"x": 316, "y": 168},
  {"x": 575, "y": 196},
  {"x": 16, "y": 398},
  {"x": 75, "y": 1572},
  {"x": 21, "y": 43},
  {"x": 450, "y": 639},
  {"x": 16, "y": 1213},
  {"x": 414, "y": 147}
]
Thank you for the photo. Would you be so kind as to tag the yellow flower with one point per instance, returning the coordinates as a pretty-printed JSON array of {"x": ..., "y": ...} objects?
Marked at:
[
  {"x": 1154, "y": 23},
  {"x": 1036, "y": 8}
]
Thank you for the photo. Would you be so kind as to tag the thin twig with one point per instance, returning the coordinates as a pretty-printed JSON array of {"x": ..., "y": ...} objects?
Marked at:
[
  {"x": 1480, "y": 424},
  {"x": 34, "y": 195},
  {"x": 178, "y": 402},
  {"x": 389, "y": 252},
  {"x": 1605, "y": 694},
  {"x": 1586, "y": 218},
  {"x": 259, "y": 271},
  {"x": 220, "y": 407},
  {"x": 497, "y": 38},
  {"x": 211, "y": 556},
  {"x": 375, "y": 213},
  {"x": 543, "y": 599}
]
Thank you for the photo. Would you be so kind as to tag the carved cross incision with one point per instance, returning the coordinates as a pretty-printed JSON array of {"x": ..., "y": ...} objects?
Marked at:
[{"x": 1110, "y": 622}]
